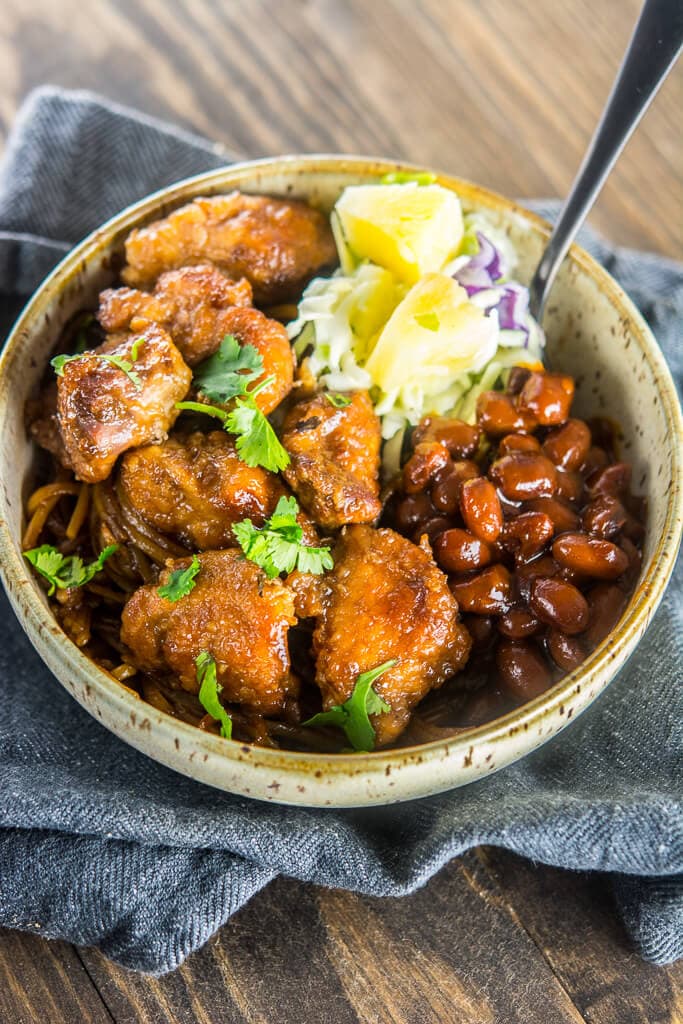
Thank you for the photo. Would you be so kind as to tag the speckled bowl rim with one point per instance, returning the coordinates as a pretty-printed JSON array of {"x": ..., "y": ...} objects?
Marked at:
[{"x": 569, "y": 697}]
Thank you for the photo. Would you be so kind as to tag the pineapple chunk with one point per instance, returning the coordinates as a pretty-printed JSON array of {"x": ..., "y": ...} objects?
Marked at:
[
  {"x": 432, "y": 336},
  {"x": 408, "y": 229}
]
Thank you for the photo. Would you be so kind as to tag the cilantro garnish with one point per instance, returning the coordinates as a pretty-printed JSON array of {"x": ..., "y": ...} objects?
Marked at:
[
  {"x": 225, "y": 376},
  {"x": 276, "y": 547},
  {"x": 257, "y": 443},
  {"x": 338, "y": 401},
  {"x": 408, "y": 178},
  {"x": 125, "y": 366},
  {"x": 353, "y": 715},
  {"x": 430, "y": 321},
  {"x": 66, "y": 571},
  {"x": 228, "y": 371},
  {"x": 209, "y": 688},
  {"x": 181, "y": 582},
  {"x": 59, "y": 362},
  {"x": 135, "y": 348}
]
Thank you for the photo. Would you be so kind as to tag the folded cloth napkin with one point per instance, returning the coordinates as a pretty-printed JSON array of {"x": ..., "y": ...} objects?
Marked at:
[{"x": 102, "y": 846}]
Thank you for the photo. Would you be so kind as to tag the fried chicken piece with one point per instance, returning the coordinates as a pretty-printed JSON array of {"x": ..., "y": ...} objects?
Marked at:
[
  {"x": 235, "y": 613},
  {"x": 190, "y": 303},
  {"x": 386, "y": 599},
  {"x": 103, "y": 412},
  {"x": 196, "y": 487},
  {"x": 334, "y": 452},
  {"x": 277, "y": 244},
  {"x": 269, "y": 338}
]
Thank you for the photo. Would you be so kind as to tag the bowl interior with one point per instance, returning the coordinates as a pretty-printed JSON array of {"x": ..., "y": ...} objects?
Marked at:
[{"x": 593, "y": 332}]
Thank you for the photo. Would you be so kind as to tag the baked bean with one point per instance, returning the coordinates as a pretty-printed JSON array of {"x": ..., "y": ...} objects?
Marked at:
[
  {"x": 446, "y": 488},
  {"x": 410, "y": 511},
  {"x": 427, "y": 460},
  {"x": 460, "y": 551},
  {"x": 460, "y": 438},
  {"x": 433, "y": 528},
  {"x": 569, "y": 486},
  {"x": 487, "y": 593},
  {"x": 480, "y": 628},
  {"x": 597, "y": 458},
  {"x": 559, "y": 604},
  {"x": 633, "y": 528},
  {"x": 604, "y": 517},
  {"x": 526, "y": 535},
  {"x": 569, "y": 445},
  {"x": 606, "y": 603},
  {"x": 547, "y": 397},
  {"x": 526, "y": 574},
  {"x": 480, "y": 508},
  {"x": 497, "y": 415},
  {"x": 524, "y": 475},
  {"x": 522, "y": 669},
  {"x": 518, "y": 623},
  {"x": 566, "y": 651},
  {"x": 562, "y": 516},
  {"x": 590, "y": 556},
  {"x": 613, "y": 479},
  {"x": 518, "y": 443},
  {"x": 517, "y": 378},
  {"x": 526, "y": 527}
]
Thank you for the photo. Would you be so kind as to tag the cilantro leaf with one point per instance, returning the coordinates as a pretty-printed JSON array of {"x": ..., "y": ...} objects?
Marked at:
[
  {"x": 59, "y": 362},
  {"x": 338, "y": 401},
  {"x": 181, "y": 582},
  {"x": 257, "y": 442},
  {"x": 353, "y": 715},
  {"x": 408, "y": 178},
  {"x": 276, "y": 547},
  {"x": 209, "y": 688},
  {"x": 208, "y": 410},
  {"x": 125, "y": 366},
  {"x": 135, "y": 348},
  {"x": 430, "y": 321},
  {"x": 228, "y": 371},
  {"x": 66, "y": 571}
]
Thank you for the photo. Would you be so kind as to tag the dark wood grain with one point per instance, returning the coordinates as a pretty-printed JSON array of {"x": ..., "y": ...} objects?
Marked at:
[
  {"x": 503, "y": 93},
  {"x": 43, "y": 982},
  {"x": 454, "y": 951},
  {"x": 571, "y": 918}
]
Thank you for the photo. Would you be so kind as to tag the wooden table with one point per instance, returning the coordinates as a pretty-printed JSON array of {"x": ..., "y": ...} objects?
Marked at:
[{"x": 505, "y": 94}]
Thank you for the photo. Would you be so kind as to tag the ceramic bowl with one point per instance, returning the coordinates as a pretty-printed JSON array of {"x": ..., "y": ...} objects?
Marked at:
[{"x": 594, "y": 333}]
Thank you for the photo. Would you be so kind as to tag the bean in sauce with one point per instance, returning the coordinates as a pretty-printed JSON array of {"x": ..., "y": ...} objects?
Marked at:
[{"x": 532, "y": 519}]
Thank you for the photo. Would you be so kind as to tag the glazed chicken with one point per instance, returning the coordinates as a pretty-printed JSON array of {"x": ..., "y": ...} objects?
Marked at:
[
  {"x": 386, "y": 599},
  {"x": 199, "y": 306},
  {"x": 195, "y": 487},
  {"x": 235, "y": 613},
  {"x": 191, "y": 304},
  {"x": 269, "y": 338},
  {"x": 104, "y": 410},
  {"x": 334, "y": 452},
  {"x": 278, "y": 245}
]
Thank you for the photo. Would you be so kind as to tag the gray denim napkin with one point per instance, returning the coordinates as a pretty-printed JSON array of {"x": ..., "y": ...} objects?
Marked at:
[{"x": 102, "y": 846}]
